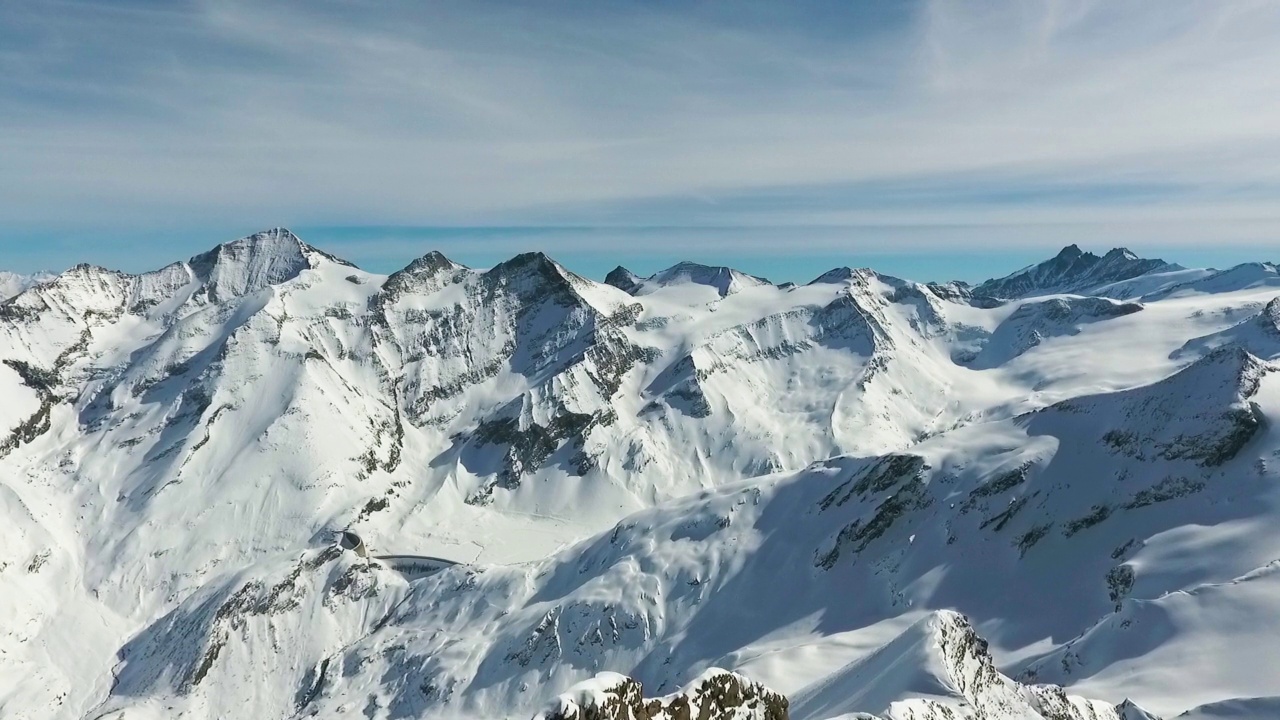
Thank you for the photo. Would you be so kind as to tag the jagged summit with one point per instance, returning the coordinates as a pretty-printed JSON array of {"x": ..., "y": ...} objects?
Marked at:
[
  {"x": 231, "y": 270},
  {"x": 531, "y": 273},
  {"x": 430, "y": 264},
  {"x": 534, "y": 261},
  {"x": 1269, "y": 318},
  {"x": 251, "y": 263},
  {"x": 82, "y": 288},
  {"x": 1069, "y": 253},
  {"x": 623, "y": 279},
  {"x": 946, "y": 671},
  {"x": 1073, "y": 270},
  {"x": 424, "y": 275},
  {"x": 1235, "y": 360}
]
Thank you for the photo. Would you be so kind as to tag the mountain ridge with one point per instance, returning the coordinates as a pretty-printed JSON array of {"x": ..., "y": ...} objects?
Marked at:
[
  {"x": 1073, "y": 270},
  {"x": 777, "y": 481}
]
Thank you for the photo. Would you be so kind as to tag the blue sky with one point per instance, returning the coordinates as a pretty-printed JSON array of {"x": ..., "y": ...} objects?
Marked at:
[{"x": 930, "y": 139}]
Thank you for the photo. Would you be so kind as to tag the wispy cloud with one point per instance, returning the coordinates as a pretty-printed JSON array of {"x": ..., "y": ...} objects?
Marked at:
[{"x": 1022, "y": 121}]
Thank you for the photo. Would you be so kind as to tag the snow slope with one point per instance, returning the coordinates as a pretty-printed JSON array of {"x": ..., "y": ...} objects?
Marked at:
[
  {"x": 801, "y": 484},
  {"x": 12, "y": 283}
]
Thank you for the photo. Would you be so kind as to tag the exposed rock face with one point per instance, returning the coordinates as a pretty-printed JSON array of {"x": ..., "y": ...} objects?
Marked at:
[
  {"x": 250, "y": 264},
  {"x": 308, "y": 605},
  {"x": 1072, "y": 271},
  {"x": 968, "y": 668},
  {"x": 425, "y": 275},
  {"x": 962, "y": 663},
  {"x": 1203, "y": 413},
  {"x": 717, "y": 695},
  {"x": 962, "y": 292},
  {"x": 623, "y": 279}
]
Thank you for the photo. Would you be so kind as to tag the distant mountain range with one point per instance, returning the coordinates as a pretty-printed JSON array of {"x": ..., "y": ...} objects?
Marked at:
[
  {"x": 1054, "y": 495},
  {"x": 1074, "y": 271}
]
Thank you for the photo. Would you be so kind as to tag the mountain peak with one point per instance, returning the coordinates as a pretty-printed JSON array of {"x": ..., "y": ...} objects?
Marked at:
[
  {"x": 1129, "y": 710},
  {"x": 424, "y": 275},
  {"x": 430, "y": 264},
  {"x": 531, "y": 272},
  {"x": 725, "y": 280},
  {"x": 251, "y": 263},
  {"x": 435, "y": 258},
  {"x": 843, "y": 274},
  {"x": 623, "y": 279},
  {"x": 535, "y": 261},
  {"x": 1120, "y": 253}
]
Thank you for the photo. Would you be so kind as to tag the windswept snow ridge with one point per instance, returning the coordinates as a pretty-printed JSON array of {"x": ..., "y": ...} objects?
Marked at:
[{"x": 858, "y": 497}]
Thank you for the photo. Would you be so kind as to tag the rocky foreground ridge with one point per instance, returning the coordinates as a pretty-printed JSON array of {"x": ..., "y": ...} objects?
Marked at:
[{"x": 975, "y": 690}]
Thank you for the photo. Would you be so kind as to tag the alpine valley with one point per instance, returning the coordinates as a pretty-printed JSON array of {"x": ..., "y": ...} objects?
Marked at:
[{"x": 695, "y": 495}]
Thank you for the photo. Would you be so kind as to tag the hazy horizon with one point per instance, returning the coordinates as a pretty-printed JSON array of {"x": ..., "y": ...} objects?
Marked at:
[
  {"x": 940, "y": 138},
  {"x": 361, "y": 246}
]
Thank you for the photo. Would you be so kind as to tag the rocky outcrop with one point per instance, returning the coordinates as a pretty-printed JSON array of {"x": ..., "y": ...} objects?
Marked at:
[
  {"x": 970, "y": 670},
  {"x": 940, "y": 668},
  {"x": 716, "y": 695},
  {"x": 623, "y": 279}
]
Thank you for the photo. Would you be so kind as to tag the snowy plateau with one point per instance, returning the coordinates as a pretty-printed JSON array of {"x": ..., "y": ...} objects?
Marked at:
[{"x": 691, "y": 496}]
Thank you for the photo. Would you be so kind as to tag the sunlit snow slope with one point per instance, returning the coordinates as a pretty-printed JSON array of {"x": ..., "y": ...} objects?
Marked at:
[{"x": 914, "y": 501}]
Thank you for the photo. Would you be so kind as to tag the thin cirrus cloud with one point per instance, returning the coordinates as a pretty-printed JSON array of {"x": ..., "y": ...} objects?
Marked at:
[{"x": 931, "y": 123}]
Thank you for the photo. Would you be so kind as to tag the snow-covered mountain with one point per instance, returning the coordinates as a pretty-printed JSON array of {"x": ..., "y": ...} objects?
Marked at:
[
  {"x": 722, "y": 280},
  {"x": 1076, "y": 271},
  {"x": 12, "y": 283},
  {"x": 860, "y": 497}
]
